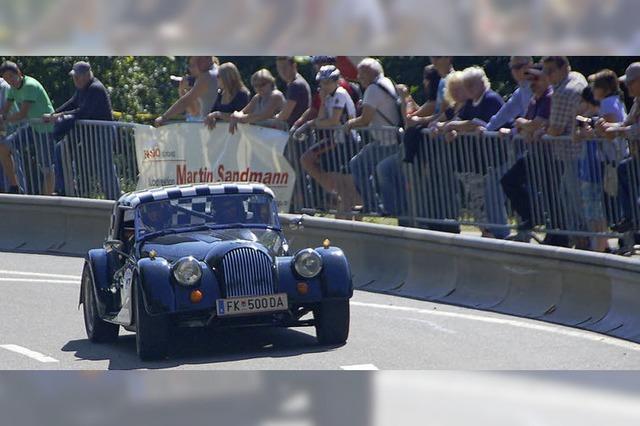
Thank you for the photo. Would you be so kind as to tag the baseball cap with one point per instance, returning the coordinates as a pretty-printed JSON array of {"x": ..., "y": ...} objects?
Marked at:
[
  {"x": 632, "y": 72},
  {"x": 80, "y": 67},
  {"x": 9, "y": 66}
]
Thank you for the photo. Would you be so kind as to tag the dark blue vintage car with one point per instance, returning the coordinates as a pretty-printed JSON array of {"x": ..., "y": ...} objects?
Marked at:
[{"x": 208, "y": 255}]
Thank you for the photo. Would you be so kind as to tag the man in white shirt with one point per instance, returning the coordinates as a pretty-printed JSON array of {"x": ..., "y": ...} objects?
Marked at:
[{"x": 380, "y": 107}]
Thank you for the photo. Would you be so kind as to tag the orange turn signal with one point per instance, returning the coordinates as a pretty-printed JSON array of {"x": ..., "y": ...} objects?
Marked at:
[
  {"x": 196, "y": 296},
  {"x": 303, "y": 288}
]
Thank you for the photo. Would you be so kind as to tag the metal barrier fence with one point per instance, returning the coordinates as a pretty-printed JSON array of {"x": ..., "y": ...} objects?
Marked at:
[
  {"x": 336, "y": 168},
  {"x": 94, "y": 159},
  {"x": 495, "y": 182},
  {"x": 491, "y": 181}
]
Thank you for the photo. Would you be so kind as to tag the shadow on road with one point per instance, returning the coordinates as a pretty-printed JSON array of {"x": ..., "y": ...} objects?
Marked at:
[{"x": 201, "y": 346}]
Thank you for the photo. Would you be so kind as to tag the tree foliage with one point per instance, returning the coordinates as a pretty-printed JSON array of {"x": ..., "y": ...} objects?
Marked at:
[{"x": 141, "y": 89}]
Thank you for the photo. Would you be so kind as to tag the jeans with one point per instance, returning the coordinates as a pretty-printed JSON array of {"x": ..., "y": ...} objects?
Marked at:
[
  {"x": 392, "y": 185},
  {"x": 363, "y": 167},
  {"x": 628, "y": 188}
]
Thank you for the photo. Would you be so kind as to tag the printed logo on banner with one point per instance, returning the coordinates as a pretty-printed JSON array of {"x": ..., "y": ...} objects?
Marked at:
[{"x": 252, "y": 154}]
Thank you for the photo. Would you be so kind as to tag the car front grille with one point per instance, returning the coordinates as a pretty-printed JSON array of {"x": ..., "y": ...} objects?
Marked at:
[{"x": 247, "y": 272}]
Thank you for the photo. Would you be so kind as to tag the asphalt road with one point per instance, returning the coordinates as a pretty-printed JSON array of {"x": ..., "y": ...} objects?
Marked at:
[{"x": 41, "y": 327}]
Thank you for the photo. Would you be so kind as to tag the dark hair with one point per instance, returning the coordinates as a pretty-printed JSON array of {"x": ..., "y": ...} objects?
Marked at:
[
  {"x": 9, "y": 66},
  {"x": 606, "y": 80},
  {"x": 559, "y": 61},
  {"x": 587, "y": 96},
  {"x": 431, "y": 74}
]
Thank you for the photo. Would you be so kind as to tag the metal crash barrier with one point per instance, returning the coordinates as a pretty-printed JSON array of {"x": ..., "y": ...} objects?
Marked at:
[{"x": 585, "y": 188}]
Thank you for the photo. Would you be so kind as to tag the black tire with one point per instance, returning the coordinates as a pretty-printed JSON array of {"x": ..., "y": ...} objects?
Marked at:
[
  {"x": 98, "y": 330},
  {"x": 152, "y": 332},
  {"x": 332, "y": 322}
]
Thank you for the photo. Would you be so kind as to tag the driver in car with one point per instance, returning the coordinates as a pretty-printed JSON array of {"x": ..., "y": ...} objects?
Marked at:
[
  {"x": 230, "y": 210},
  {"x": 156, "y": 217}
]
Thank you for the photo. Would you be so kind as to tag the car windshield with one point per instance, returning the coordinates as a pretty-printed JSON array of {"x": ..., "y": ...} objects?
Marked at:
[{"x": 216, "y": 211}]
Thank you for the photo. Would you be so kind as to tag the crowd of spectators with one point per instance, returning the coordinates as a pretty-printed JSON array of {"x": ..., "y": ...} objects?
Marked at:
[{"x": 354, "y": 163}]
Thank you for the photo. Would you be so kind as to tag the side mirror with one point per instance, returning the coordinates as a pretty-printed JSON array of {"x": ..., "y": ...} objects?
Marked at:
[{"x": 113, "y": 245}]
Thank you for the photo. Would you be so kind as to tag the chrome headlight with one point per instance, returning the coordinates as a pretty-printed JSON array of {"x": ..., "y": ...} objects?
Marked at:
[
  {"x": 307, "y": 263},
  {"x": 187, "y": 271}
]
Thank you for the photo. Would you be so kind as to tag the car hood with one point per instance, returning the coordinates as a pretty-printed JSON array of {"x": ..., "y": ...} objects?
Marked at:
[{"x": 200, "y": 245}]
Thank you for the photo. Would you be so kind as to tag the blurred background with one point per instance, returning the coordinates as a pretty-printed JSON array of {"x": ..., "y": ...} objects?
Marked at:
[
  {"x": 319, "y": 398},
  {"x": 100, "y": 30},
  {"x": 271, "y": 27}
]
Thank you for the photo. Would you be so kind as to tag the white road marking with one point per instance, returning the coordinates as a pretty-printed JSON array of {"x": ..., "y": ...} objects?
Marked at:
[
  {"x": 362, "y": 367},
  {"x": 560, "y": 329},
  {"x": 38, "y": 274},
  {"x": 39, "y": 280},
  {"x": 28, "y": 353},
  {"x": 431, "y": 324}
]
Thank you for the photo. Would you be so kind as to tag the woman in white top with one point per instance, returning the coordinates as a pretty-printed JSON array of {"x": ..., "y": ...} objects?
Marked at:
[
  {"x": 327, "y": 161},
  {"x": 265, "y": 104}
]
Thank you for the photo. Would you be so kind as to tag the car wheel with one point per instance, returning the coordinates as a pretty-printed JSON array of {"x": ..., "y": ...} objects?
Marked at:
[
  {"x": 152, "y": 333},
  {"x": 98, "y": 330},
  {"x": 332, "y": 322}
]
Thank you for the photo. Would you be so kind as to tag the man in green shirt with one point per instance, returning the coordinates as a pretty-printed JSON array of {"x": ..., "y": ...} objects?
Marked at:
[{"x": 34, "y": 140}]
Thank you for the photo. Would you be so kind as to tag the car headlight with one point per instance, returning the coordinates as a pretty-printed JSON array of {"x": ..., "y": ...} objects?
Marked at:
[
  {"x": 307, "y": 263},
  {"x": 187, "y": 271}
]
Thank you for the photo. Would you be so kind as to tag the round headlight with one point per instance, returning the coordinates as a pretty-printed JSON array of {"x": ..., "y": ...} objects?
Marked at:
[
  {"x": 187, "y": 271},
  {"x": 307, "y": 263}
]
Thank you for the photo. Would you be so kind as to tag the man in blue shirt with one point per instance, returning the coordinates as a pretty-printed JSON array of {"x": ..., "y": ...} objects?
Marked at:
[{"x": 517, "y": 104}]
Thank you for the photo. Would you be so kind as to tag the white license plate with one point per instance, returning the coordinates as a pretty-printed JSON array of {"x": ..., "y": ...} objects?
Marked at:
[{"x": 251, "y": 304}]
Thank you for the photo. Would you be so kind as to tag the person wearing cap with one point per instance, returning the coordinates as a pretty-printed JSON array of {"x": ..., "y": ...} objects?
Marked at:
[
  {"x": 90, "y": 101},
  {"x": 629, "y": 167},
  {"x": 32, "y": 102},
  {"x": 515, "y": 182},
  {"x": 336, "y": 108},
  {"x": 518, "y": 102}
]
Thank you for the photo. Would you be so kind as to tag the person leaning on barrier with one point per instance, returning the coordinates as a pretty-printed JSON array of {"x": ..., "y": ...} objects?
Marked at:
[
  {"x": 567, "y": 93},
  {"x": 298, "y": 93},
  {"x": 482, "y": 105},
  {"x": 478, "y": 167},
  {"x": 264, "y": 105},
  {"x": 381, "y": 106},
  {"x": 204, "y": 91},
  {"x": 628, "y": 169},
  {"x": 90, "y": 101},
  {"x": 326, "y": 160},
  {"x": 233, "y": 95},
  {"x": 515, "y": 181},
  {"x": 518, "y": 102},
  {"x": 314, "y": 108},
  {"x": 32, "y": 102}
]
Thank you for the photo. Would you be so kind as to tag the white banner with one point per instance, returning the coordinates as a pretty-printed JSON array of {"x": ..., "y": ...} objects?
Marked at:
[{"x": 186, "y": 153}]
